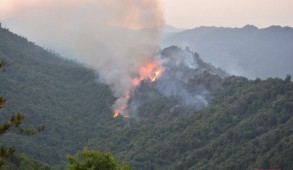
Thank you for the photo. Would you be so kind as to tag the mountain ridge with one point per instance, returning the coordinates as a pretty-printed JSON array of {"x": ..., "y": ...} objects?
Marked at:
[{"x": 247, "y": 51}]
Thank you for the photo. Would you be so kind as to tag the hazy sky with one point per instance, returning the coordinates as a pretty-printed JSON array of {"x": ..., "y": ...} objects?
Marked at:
[
  {"x": 193, "y": 13},
  {"x": 230, "y": 13}
]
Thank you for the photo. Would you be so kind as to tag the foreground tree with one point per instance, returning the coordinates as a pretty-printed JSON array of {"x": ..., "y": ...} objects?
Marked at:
[
  {"x": 96, "y": 160},
  {"x": 12, "y": 125}
]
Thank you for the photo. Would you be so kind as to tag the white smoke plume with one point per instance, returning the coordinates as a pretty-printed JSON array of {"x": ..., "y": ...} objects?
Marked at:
[{"x": 115, "y": 37}]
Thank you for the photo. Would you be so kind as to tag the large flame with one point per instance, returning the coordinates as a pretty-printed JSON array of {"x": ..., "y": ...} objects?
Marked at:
[{"x": 150, "y": 71}]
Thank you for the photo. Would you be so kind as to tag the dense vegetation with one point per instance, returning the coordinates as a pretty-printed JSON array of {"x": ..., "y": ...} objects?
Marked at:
[
  {"x": 247, "y": 124},
  {"x": 57, "y": 93},
  {"x": 13, "y": 125},
  {"x": 24, "y": 162},
  {"x": 91, "y": 159}
]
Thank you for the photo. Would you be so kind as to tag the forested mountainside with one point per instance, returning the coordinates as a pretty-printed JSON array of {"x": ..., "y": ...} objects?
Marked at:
[
  {"x": 60, "y": 94},
  {"x": 246, "y": 123},
  {"x": 247, "y": 51}
]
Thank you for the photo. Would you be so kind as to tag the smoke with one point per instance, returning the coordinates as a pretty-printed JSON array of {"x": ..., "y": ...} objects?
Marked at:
[
  {"x": 187, "y": 84},
  {"x": 115, "y": 37},
  {"x": 181, "y": 66}
]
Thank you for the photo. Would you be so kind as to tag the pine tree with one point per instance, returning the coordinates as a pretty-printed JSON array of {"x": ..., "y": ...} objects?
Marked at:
[{"x": 12, "y": 125}]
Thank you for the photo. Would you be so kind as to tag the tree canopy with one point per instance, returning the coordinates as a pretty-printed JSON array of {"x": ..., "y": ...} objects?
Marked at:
[
  {"x": 91, "y": 159},
  {"x": 12, "y": 125}
]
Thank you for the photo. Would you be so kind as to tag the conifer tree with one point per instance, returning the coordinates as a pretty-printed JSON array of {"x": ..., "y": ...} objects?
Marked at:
[{"x": 12, "y": 125}]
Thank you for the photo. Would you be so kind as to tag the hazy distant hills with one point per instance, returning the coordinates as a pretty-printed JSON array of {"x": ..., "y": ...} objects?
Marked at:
[
  {"x": 171, "y": 29},
  {"x": 246, "y": 51}
]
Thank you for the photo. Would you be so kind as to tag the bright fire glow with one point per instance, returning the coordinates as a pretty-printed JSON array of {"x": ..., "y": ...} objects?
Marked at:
[
  {"x": 150, "y": 71},
  {"x": 120, "y": 111},
  {"x": 157, "y": 74}
]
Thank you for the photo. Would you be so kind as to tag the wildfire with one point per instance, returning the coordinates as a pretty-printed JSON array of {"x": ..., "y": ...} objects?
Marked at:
[
  {"x": 120, "y": 111},
  {"x": 149, "y": 71},
  {"x": 157, "y": 74}
]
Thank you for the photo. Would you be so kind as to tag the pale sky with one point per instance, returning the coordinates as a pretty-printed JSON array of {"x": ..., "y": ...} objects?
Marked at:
[
  {"x": 194, "y": 13},
  {"x": 228, "y": 13}
]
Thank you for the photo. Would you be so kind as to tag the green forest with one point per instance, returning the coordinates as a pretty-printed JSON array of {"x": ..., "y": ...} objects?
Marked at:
[{"x": 247, "y": 124}]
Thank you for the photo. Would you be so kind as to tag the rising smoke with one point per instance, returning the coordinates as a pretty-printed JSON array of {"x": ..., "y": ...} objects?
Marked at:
[
  {"x": 187, "y": 84},
  {"x": 115, "y": 37}
]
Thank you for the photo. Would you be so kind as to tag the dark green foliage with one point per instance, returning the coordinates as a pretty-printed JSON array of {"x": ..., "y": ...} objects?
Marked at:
[
  {"x": 5, "y": 154},
  {"x": 14, "y": 121},
  {"x": 90, "y": 159},
  {"x": 2, "y": 102},
  {"x": 248, "y": 125},
  {"x": 2, "y": 64},
  {"x": 60, "y": 94},
  {"x": 12, "y": 125},
  {"x": 23, "y": 162}
]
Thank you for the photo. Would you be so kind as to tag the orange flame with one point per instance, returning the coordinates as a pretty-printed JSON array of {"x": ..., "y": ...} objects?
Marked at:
[
  {"x": 150, "y": 71},
  {"x": 157, "y": 74},
  {"x": 120, "y": 111}
]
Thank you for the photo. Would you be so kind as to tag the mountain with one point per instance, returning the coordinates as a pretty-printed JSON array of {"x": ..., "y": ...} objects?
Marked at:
[
  {"x": 246, "y": 124},
  {"x": 247, "y": 51},
  {"x": 187, "y": 83},
  {"x": 170, "y": 29},
  {"x": 60, "y": 94}
]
